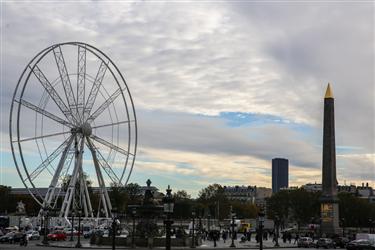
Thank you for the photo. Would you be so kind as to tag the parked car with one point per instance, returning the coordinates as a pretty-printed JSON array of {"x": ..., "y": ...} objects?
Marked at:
[
  {"x": 341, "y": 242},
  {"x": 33, "y": 235},
  {"x": 325, "y": 243},
  {"x": 7, "y": 237},
  {"x": 11, "y": 237},
  {"x": 361, "y": 244},
  {"x": 305, "y": 242},
  {"x": 57, "y": 235},
  {"x": 68, "y": 232}
]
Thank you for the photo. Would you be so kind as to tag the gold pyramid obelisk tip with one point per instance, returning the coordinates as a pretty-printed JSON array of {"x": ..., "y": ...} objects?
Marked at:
[{"x": 329, "y": 93}]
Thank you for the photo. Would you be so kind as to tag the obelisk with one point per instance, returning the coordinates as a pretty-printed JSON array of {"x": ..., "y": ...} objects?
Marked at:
[{"x": 329, "y": 202}]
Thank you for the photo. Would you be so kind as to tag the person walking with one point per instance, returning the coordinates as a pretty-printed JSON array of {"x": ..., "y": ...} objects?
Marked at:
[{"x": 296, "y": 239}]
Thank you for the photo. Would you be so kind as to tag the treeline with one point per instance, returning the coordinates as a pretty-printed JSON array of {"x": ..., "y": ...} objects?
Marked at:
[
  {"x": 288, "y": 206},
  {"x": 302, "y": 207},
  {"x": 211, "y": 202}
]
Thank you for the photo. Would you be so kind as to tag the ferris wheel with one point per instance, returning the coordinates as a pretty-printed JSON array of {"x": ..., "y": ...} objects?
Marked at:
[{"x": 72, "y": 120}]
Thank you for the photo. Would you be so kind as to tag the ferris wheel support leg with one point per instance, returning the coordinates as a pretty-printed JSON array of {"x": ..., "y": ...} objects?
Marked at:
[
  {"x": 104, "y": 194},
  {"x": 51, "y": 189},
  {"x": 70, "y": 192},
  {"x": 88, "y": 201},
  {"x": 83, "y": 196}
]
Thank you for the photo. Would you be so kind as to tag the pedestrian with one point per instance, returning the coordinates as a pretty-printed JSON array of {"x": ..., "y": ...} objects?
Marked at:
[
  {"x": 249, "y": 236},
  {"x": 296, "y": 239},
  {"x": 224, "y": 235},
  {"x": 290, "y": 238}
]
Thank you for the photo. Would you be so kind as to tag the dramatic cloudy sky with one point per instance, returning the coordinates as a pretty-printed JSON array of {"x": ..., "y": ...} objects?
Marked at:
[{"x": 220, "y": 88}]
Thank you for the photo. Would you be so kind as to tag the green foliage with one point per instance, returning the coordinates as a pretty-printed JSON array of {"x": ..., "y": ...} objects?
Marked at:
[
  {"x": 354, "y": 211},
  {"x": 299, "y": 205},
  {"x": 244, "y": 209}
]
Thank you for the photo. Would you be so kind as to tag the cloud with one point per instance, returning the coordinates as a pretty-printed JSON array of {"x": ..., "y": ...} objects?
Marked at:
[{"x": 188, "y": 64}]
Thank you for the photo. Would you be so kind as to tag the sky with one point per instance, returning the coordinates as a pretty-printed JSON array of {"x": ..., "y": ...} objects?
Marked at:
[{"x": 219, "y": 87}]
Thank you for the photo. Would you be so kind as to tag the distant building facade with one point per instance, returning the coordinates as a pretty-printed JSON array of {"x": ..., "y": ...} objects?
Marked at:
[
  {"x": 365, "y": 191},
  {"x": 280, "y": 174},
  {"x": 241, "y": 193}
]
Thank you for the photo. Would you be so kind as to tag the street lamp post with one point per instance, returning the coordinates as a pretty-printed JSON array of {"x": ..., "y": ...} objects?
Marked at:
[
  {"x": 133, "y": 233},
  {"x": 232, "y": 214},
  {"x": 193, "y": 235},
  {"x": 45, "y": 216},
  {"x": 261, "y": 221},
  {"x": 114, "y": 227},
  {"x": 343, "y": 226},
  {"x": 79, "y": 245},
  {"x": 208, "y": 221},
  {"x": 71, "y": 236},
  {"x": 168, "y": 210},
  {"x": 370, "y": 225},
  {"x": 277, "y": 223}
]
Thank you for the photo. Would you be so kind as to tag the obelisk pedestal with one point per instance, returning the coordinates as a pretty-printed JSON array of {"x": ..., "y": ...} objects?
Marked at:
[{"x": 329, "y": 202}]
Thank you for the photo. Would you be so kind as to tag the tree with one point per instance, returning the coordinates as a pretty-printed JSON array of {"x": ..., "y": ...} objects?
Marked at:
[
  {"x": 181, "y": 195},
  {"x": 183, "y": 205},
  {"x": 119, "y": 197},
  {"x": 4, "y": 196},
  {"x": 354, "y": 211},
  {"x": 215, "y": 201},
  {"x": 278, "y": 206},
  {"x": 304, "y": 205},
  {"x": 244, "y": 209},
  {"x": 133, "y": 191}
]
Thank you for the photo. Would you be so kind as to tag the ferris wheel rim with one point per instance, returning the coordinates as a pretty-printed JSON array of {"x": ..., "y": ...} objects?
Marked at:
[{"x": 34, "y": 61}]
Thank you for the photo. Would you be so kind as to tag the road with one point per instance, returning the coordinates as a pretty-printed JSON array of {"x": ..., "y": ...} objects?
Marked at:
[{"x": 207, "y": 245}]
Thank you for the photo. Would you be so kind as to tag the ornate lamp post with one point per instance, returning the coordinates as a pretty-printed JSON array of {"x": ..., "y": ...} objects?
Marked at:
[
  {"x": 193, "y": 235},
  {"x": 71, "y": 236},
  {"x": 370, "y": 222},
  {"x": 261, "y": 221},
  {"x": 343, "y": 226},
  {"x": 115, "y": 222},
  {"x": 233, "y": 216},
  {"x": 134, "y": 212},
  {"x": 168, "y": 210},
  {"x": 277, "y": 224},
  {"x": 45, "y": 220},
  {"x": 208, "y": 221},
  {"x": 79, "y": 245}
]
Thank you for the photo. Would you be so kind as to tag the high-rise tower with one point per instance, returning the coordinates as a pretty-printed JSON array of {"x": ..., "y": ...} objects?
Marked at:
[
  {"x": 280, "y": 174},
  {"x": 329, "y": 202}
]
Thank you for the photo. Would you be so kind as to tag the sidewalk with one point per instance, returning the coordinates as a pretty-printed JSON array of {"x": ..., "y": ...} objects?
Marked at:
[{"x": 206, "y": 245}]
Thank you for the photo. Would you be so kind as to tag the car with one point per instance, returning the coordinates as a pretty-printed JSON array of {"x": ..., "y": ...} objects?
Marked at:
[
  {"x": 57, "y": 235},
  {"x": 33, "y": 235},
  {"x": 341, "y": 242},
  {"x": 68, "y": 232},
  {"x": 325, "y": 243},
  {"x": 11, "y": 237},
  {"x": 361, "y": 244},
  {"x": 7, "y": 237},
  {"x": 305, "y": 242}
]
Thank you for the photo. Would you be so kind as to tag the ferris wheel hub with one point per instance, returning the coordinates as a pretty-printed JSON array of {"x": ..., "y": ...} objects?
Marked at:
[{"x": 86, "y": 129}]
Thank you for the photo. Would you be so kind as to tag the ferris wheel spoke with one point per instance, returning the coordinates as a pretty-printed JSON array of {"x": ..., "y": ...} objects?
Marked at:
[
  {"x": 105, "y": 105},
  {"x": 44, "y": 112},
  {"x": 52, "y": 92},
  {"x": 50, "y": 158},
  {"x": 112, "y": 124},
  {"x": 110, "y": 145},
  {"x": 95, "y": 88},
  {"x": 65, "y": 79},
  {"x": 103, "y": 163},
  {"x": 43, "y": 136},
  {"x": 81, "y": 80}
]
